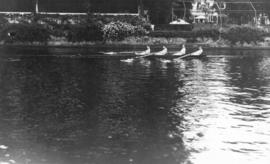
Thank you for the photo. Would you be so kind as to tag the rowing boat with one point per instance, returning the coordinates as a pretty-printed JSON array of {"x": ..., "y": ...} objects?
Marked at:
[
  {"x": 197, "y": 54},
  {"x": 194, "y": 55}
]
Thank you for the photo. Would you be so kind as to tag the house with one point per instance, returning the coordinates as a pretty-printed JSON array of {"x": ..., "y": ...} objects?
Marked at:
[{"x": 207, "y": 11}]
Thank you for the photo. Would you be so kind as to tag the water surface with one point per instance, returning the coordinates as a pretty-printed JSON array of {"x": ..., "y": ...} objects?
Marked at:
[{"x": 58, "y": 107}]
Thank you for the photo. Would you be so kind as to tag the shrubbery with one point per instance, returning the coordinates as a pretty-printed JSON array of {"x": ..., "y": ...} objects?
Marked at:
[
  {"x": 55, "y": 29},
  {"x": 40, "y": 28},
  {"x": 208, "y": 33},
  {"x": 243, "y": 34},
  {"x": 120, "y": 30},
  {"x": 24, "y": 33},
  {"x": 133, "y": 20},
  {"x": 171, "y": 34},
  {"x": 85, "y": 32},
  {"x": 3, "y": 21},
  {"x": 214, "y": 34}
]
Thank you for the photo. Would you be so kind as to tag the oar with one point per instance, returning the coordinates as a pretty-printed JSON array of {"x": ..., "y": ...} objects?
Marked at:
[
  {"x": 181, "y": 57},
  {"x": 143, "y": 56},
  {"x": 139, "y": 57}
]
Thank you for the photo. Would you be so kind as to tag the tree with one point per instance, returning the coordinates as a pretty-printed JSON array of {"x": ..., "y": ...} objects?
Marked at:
[
  {"x": 244, "y": 11},
  {"x": 161, "y": 11},
  {"x": 182, "y": 9}
]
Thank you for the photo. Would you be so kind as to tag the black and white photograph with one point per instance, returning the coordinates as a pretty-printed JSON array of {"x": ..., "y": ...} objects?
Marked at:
[{"x": 134, "y": 81}]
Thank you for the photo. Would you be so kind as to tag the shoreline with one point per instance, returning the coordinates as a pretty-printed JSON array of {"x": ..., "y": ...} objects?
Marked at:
[{"x": 117, "y": 45}]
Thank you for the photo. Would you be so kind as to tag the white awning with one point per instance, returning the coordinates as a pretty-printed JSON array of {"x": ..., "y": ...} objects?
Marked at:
[
  {"x": 179, "y": 21},
  {"x": 200, "y": 17}
]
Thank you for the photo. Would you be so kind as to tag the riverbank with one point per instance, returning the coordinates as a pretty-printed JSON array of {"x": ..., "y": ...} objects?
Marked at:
[
  {"x": 138, "y": 45},
  {"x": 119, "y": 31},
  {"x": 141, "y": 42}
]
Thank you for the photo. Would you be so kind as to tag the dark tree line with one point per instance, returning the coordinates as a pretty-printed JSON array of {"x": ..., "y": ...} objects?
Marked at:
[
  {"x": 16, "y": 5},
  {"x": 163, "y": 11},
  {"x": 244, "y": 11},
  {"x": 160, "y": 11},
  {"x": 70, "y": 5}
]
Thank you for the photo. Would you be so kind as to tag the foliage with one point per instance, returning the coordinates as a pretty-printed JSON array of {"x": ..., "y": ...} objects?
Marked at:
[
  {"x": 171, "y": 34},
  {"x": 243, "y": 15},
  {"x": 77, "y": 28},
  {"x": 160, "y": 10},
  {"x": 242, "y": 12},
  {"x": 208, "y": 33},
  {"x": 85, "y": 32},
  {"x": 133, "y": 20},
  {"x": 24, "y": 33},
  {"x": 243, "y": 34},
  {"x": 182, "y": 9},
  {"x": 120, "y": 30},
  {"x": 3, "y": 21}
]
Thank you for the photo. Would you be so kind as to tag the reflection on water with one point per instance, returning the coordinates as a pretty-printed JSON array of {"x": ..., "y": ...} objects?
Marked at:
[
  {"x": 66, "y": 110},
  {"x": 230, "y": 121}
]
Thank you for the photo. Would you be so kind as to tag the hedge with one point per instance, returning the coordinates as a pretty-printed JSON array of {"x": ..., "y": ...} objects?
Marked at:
[
  {"x": 244, "y": 34},
  {"x": 24, "y": 33}
]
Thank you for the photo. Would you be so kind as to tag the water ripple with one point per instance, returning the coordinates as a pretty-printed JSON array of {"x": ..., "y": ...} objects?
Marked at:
[{"x": 102, "y": 110}]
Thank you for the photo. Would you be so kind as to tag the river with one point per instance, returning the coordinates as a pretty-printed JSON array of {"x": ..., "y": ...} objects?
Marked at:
[{"x": 57, "y": 107}]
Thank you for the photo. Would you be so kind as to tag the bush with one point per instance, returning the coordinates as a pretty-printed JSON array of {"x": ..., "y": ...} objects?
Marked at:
[
  {"x": 3, "y": 21},
  {"x": 72, "y": 27},
  {"x": 57, "y": 30},
  {"x": 243, "y": 34},
  {"x": 138, "y": 21},
  {"x": 172, "y": 34},
  {"x": 85, "y": 32},
  {"x": 24, "y": 33},
  {"x": 213, "y": 33},
  {"x": 208, "y": 33},
  {"x": 130, "y": 19},
  {"x": 120, "y": 30}
]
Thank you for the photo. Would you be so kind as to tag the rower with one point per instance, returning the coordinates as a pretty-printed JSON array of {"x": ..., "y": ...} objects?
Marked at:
[
  {"x": 146, "y": 52},
  {"x": 181, "y": 52},
  {"x": 198, "y": 52},
  {"x": 162, "y": 52}
]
